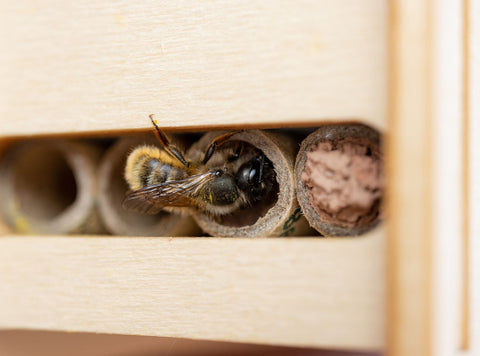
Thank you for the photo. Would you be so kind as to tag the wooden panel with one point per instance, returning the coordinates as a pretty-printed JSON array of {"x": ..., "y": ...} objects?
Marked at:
[
  {"x": 466, "y": 317},
  {"x": 300, "y": 291},
  {"x": 80, "y": 67},
  {"x": 409, "y": 248},
  {"x": 43, "y": 343},
  {"x": 474, "y": 153},
  {"x": 447, "y": 141},
  {"x": 98, "y": 66}
]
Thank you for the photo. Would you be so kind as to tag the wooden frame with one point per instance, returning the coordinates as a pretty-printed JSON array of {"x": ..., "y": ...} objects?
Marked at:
[
  {"x": 432, "y": 292},
  {"x": 410, "y": 195},
  {"x": 409, "y": 68},
  {"x": 270, "y": 291},
  {"x": 193, "y": 75},
  {"x": 192, "y": 65}
]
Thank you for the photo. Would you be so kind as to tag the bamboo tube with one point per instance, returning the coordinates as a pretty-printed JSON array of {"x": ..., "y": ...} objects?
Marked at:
[
  {"x": 277, "y": 214},
  {"x": 340, "y": 180},
  {"x": 112, "y": 190},
  {"x": 49, "y": 187}
]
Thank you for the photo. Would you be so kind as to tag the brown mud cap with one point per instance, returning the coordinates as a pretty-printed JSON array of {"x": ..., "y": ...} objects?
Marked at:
[{"x": 339, "y": 178}]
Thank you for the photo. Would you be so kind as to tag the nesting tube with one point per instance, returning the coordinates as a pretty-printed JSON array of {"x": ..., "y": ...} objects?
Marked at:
[
  {"x": 49, "y": 187},
  {"x": 112, "y": 191},
  {"x": 278, "y": 213},
  {"x": 339, "y": 179},
  {"x": 4, "y": 145}
]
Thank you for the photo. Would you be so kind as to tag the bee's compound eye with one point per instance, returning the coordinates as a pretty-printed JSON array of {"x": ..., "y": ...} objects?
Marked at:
[
  {"x": 254, "y": 174},
  {"x": 248, "y": 175}
]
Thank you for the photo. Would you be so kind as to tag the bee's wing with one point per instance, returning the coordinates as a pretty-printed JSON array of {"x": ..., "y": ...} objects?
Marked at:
[{"x": 177, "y": 193}]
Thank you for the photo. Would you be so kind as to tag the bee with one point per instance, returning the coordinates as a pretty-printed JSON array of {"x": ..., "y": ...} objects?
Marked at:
[{"x": 232, "y": 175}]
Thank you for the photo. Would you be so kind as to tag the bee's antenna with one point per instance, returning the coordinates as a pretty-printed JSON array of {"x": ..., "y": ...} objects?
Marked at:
[
  {"x": 159, "y": 133},
  {"x": 217, "y": 142},
  {"x": 167, "y": 146}
]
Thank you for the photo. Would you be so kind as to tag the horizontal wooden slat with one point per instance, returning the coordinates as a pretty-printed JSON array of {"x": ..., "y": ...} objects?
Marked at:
[
  {"x": 86, "y": 66},
  {"x": 300, "y": 291},
  {"x": 48, "y": 343}
]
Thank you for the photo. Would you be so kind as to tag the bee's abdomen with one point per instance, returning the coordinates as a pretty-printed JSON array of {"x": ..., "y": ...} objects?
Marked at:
[
  {"x": 146, "y": 166},
  {"x": 162, "y": 172}
]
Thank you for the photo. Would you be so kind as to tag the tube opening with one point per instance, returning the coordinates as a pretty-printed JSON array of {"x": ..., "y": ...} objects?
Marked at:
[
  {"x": 260, "y": 199},
  {"x": 343, "y": 178},
  {"x": 44, "y": 182}
]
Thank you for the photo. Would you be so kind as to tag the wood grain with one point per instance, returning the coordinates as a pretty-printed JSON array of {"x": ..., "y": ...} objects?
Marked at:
[
  {"x": 48, "y": 343},
  {"x": 465, "y": 340},
  {"x": 74, "y": 67},
  {"x": 409, "y": 168},
  {"x": 299, "y": 292},
  {"x": 474, "y": 154},
  {"x": 84, "y": 67},
  {"x": 447, "y": 143}
]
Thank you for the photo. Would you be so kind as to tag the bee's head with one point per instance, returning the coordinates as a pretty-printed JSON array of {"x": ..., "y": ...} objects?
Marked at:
[
  {"x": 254, "y": 177},
  {"x": 221, "y": 190}
]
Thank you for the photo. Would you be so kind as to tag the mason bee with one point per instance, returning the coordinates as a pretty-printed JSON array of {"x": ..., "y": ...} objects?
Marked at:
[{"x": 228, "y": 176}]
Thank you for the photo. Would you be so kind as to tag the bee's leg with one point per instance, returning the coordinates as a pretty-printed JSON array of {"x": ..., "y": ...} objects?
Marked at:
[
  {"x": 167, "y": 146},
  {"x": 217, "y": 142}
]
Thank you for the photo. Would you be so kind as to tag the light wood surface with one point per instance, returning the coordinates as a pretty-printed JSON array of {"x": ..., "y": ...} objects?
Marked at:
[
  {"x": 72, "y": 67},
  {"x": 455, "y": 247},
  {"x": 448, "y": 279},
  {"x": 300, "y": 292},
  {"x": 409, "y": 177},
  {"x": 474, "y": 153},
  {"x": 466, "y": 316},
  {"x": 82, "y": 68}
]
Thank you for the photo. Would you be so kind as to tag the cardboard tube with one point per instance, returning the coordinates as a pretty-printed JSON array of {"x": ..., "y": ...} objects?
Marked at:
[
  {"x": 277, "y": 214},
  {"x": 49, "y": 187},
  {"x": 4, "y": 145},
  {"x": 112, "y": 191},
  {"x": 339, "y": 179}
]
